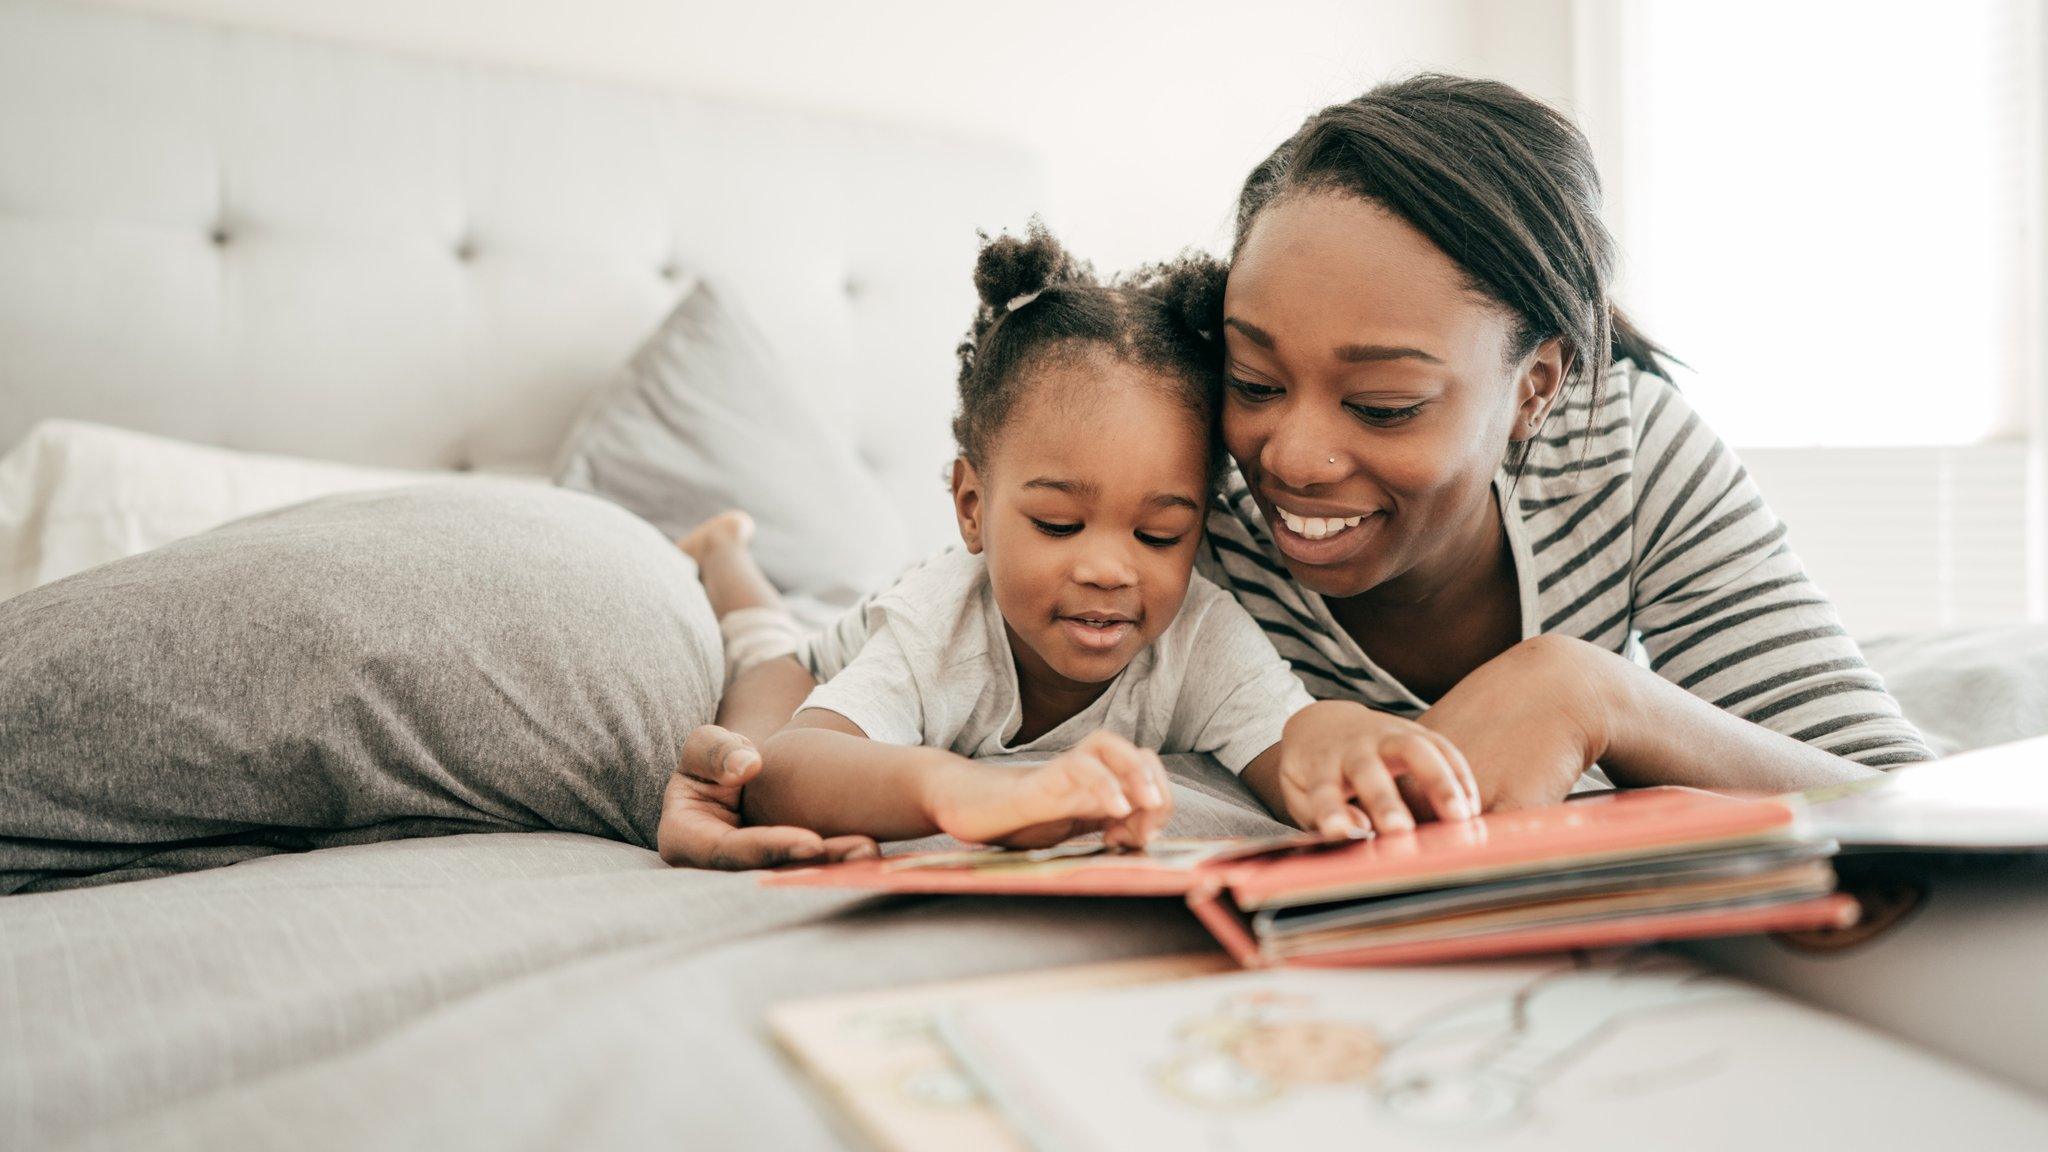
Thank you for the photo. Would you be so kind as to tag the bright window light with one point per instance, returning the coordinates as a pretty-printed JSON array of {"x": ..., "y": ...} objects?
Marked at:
[{"x": 1821, "y": 215}]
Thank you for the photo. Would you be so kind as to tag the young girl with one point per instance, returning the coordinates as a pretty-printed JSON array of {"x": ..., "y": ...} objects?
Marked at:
[{"x": 1072, "y": 627}]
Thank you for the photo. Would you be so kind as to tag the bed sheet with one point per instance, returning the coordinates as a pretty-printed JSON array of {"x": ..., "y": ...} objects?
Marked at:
[
  {"x": 504, "y": 991},
  {"x": 547, "y": 990}
]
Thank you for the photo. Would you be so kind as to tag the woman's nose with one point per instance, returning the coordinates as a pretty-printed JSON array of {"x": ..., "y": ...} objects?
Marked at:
[{"x": 1303, "y": 453}]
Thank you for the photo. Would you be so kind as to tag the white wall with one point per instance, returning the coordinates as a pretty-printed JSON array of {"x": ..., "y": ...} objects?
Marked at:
[{"x": 1147, "y": 115}]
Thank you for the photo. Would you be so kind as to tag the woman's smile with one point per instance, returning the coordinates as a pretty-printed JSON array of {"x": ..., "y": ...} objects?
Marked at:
[{"x": 1321, "y": 541}]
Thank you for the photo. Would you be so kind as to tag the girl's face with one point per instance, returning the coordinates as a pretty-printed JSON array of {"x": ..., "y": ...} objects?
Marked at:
[
  {"x": 1089, "y": 509},
  {"x": 1371, "y": 398}
]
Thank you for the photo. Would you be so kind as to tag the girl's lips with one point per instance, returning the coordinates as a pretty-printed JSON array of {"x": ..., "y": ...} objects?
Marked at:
[
  {"x": 1095, "y": 637},
  {"x": 1330, "y": 550}
]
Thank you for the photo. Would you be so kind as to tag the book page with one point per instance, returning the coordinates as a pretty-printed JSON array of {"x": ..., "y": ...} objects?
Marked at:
[{"x": 1636, "y": 1050}]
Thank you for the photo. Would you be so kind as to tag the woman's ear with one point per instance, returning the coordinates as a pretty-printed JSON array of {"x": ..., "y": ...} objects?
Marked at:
[
  {"x": 967, "y": 503},
  {"x": 1539, "y": 386}
]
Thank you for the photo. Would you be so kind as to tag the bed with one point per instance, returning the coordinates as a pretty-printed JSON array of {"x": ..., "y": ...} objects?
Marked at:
[{"x": 283, "y": 246}]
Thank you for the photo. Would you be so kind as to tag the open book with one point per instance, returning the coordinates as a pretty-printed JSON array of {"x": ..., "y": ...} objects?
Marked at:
[
  {"x": 1573, "y": 1052},
  {"x": 1618, "y": 868}
]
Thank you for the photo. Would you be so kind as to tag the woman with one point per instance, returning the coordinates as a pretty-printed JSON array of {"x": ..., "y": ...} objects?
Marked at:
[{"x": 1464, "y": 482}]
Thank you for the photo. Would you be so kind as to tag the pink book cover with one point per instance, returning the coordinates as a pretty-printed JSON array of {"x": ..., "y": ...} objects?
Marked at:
[
  {"x": 1306, "y": 868},
  {"x": 1223, "y": 879}
]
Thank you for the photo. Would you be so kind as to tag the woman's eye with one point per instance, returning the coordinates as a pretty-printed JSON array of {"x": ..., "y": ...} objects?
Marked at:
[
  {"x": 1152, "y": 541},
  {"x": 1386, "y": 417},
  {"x": 1052, "y": 529},
  {"x": 1252, "y": 390}
]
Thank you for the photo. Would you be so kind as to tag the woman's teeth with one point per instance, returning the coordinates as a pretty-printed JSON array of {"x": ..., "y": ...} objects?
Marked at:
[{"x": 1315, "y": 527}]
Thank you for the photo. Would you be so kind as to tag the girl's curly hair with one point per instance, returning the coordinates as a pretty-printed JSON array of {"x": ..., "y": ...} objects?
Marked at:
[{"x": 1039, "y": 302}]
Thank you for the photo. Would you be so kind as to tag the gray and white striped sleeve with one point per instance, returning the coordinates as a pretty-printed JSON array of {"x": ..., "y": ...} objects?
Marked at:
[{"x": 1724, "y": 609}]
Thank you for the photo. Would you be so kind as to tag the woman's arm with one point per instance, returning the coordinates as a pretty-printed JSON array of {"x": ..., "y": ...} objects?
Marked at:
[
  {"x": 1532, "y": 719},
  {"x": 1727, "y": 615}
]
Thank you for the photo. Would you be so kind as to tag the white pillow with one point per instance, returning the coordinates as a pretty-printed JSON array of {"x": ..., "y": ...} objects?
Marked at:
[
  {"x": 705, "y": 417},
  {"x": 73, "y": 495}
]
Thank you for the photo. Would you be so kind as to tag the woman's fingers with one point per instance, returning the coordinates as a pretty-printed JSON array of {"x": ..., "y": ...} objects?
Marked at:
[
  {"x": 1416, "y": 756},
  {"x": 710, "y": 843},
  {"x": 1374, "y": 787},
  {"x": 1463, "y": 767},
  {"x": 1326, "y": 803},
  {"x": 719, "y": 756},
  {"x": 839, "y": 848}
]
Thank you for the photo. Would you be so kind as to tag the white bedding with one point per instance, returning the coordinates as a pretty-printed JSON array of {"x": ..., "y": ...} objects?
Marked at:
[{"x": 73, "y": 495}]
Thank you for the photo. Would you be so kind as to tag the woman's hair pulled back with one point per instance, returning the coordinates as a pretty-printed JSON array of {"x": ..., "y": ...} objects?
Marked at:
[{"x": 1502, "y": 183}]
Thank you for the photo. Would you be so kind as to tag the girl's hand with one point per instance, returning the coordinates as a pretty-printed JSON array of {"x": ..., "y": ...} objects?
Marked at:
[
  {"x": 1346, "y": 768},
  {"x": 1104, "y": 783},
  {"x": 1530, "y": 720}
]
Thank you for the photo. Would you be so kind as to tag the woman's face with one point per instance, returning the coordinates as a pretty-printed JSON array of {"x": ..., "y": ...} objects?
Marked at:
[{"x": 1371, "y": 396}]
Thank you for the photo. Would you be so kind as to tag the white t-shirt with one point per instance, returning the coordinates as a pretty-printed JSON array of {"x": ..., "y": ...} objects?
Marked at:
[{"x": 928, "y": 662}]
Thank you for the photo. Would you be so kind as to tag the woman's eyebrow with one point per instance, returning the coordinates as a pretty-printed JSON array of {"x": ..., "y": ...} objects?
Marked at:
[
  {"x": 1373, "y": 353},
  {"x": 1349, "y": 353}
]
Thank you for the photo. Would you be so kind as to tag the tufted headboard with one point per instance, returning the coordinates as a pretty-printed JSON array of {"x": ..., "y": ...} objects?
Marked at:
[{"x": 292, "y": 246}]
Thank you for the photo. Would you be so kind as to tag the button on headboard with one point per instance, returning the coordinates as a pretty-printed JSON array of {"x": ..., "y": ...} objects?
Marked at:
[{"x": 293, "y": 246}]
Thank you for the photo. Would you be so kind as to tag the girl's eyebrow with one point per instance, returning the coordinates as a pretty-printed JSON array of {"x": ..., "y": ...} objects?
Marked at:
[
  {"x": 1349, "y": 353},
  {"x": 1087, "y": 491}
]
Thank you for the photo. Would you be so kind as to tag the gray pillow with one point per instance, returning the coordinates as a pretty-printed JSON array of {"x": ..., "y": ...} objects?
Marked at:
[
  {"x": 459, "y": 657},
  {"x": 703, "y": 419}
]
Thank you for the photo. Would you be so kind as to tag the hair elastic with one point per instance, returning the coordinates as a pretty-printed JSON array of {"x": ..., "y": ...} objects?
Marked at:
[{"x": 1017, "y": 302}]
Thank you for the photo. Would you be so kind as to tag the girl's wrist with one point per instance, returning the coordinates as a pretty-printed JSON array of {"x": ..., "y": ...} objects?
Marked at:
[{"x": 937, "y": 772}]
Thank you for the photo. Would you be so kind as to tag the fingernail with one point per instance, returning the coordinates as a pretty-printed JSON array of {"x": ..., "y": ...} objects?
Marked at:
[
  {"x": 1456, "y": 808},
  {"x": 1398, "y": 822},
  {"x": 864, "y": 852},
  {"x": 1120, "y": 807},
  {"x": 741, "y": 761},
  {"x": 806, "y": 851}
]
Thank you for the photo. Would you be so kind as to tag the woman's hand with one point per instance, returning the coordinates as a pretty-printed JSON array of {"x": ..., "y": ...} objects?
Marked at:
[
  {"x": 1530, "y": 720},
  {"x": 700, "y": 813},
  {"x": 1343, "y": 767},
  {"x": 1103, "y": 783}
]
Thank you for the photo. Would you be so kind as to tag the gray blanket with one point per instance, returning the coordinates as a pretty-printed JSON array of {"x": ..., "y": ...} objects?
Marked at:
[{"x": 450, "y": 658}]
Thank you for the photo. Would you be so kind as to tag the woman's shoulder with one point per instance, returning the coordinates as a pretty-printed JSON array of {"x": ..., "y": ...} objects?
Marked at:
[{"x": 1588, "y": 441}]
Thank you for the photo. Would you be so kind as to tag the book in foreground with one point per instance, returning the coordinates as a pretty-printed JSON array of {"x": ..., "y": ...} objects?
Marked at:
[
  {"x": 1579, "y": 1052},
  {"x": 1619, "y": 868}
]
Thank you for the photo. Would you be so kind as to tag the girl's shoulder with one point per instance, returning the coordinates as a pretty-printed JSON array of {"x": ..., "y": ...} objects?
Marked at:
[{"x": 934, "y": 597}]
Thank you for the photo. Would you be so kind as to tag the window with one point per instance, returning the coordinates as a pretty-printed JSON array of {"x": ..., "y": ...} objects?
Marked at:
[
  {"x": 1833, "y": 213},
  {"x": 1822, "y": 214}
]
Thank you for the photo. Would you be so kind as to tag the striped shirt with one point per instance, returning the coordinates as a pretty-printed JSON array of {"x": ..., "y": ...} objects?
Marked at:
[{"x": 1631, "y": 524}]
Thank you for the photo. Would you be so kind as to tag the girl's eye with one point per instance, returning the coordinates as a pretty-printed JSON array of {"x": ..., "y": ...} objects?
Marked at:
[
  {"x": 1151, "y": 541},
  {"x": 1386, "y": 417},
  {"x": 1051, "y": 529},
  {"x": 1251, "y": 390}
]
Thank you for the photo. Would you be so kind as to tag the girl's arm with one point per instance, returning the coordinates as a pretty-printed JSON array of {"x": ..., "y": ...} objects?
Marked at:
[{"x": 822, "y": 772}]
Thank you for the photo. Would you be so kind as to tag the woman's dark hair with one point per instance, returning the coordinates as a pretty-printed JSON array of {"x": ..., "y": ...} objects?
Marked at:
[
  {"x": 1039, "y": 304},
  {"x": 1504, "y": 184}
]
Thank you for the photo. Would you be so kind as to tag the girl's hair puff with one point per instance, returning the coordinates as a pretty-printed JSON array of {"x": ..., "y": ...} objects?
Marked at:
[{"x": 1039, "y": 303}]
